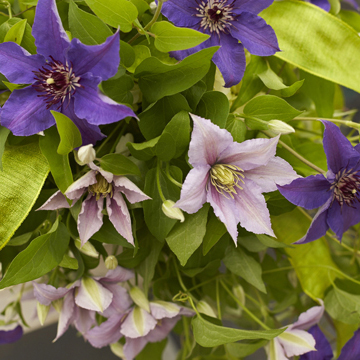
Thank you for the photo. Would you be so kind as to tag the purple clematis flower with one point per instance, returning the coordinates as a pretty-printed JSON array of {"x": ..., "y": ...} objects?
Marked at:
[
  {"x": 337, "y": 194},
  {"x": 227, "y": 22},
  {"x": 232, "y": 177},
  {"x": 10, "y": 336},
  {"x": 100, "y": 185},
  {"x": 86, "y": 297},
  {"x": 64, "y": 76}
]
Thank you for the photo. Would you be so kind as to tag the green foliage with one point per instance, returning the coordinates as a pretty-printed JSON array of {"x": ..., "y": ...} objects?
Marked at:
[{"x": 118, "y": 164}]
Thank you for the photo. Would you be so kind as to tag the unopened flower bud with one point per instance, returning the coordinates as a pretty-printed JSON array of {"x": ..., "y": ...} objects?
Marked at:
[
  {"x": 117, "y": 349},
  {"x": 111, "y": 262},
  {"x": 42, "y": 311},
  {"x": 170, "y": 211},
  {"x": 121, "y": 147},
  {"x": 280, "y": 127},
  {"x": 139, "y": 298},
  {"x": 153, "y": 7},
  {"x": 204, "y": 308},
  {"x": 239, "y": 293},
  {"x": 87, "y": 249},
  {"x": 57, "y": 304},
  {"x": 85, "y": 155}
]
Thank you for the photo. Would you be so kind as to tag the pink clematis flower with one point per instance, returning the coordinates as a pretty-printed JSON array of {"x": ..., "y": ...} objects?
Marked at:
[
  {"x": 100, "y": 185},
  {"x": 232, "y": 177}
]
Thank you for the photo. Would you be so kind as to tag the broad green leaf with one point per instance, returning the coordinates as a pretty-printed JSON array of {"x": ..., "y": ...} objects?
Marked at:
[
  {"x": 171, "y": 38},
  {"x": 119, "y": 89},
  {"x": 59, "y": 164},
  {"x": 89, "y": 29},
  {"x": 277, "y": 204},
  {"x": 157, "y": 79},
  {"x": 41, "y": 256},
  {"x": 152, "y": 350},
  {"x": 186, "y": 237},
  {"x": 141, "y": 6},
  {"x": 69, "y": 262},
  {"x": 309, "y": 45},
  {"x": 12, "y": 86},
  {"x": 4, "y": 133},
  {"x": 352, "y": 18},
  {"x": 141, "y": 53},
  {"x": 344, "y": 333},
  {"x": 210, "y": 335},
  {"x": 245, "y": 349},
  {"x": 115, "y": 12},
  {"x": 70, "y": 137},
  {"x": 244, "y": 265},
  {"x": 127, "y": 54},
  {"x": 215, "y": 229},
  {"x": 236, "y": 127},
  {"x": 144, "y": 151},
  {"x": 24, "y": 172},
  {"x": 195, "y": 93},
  {"x": 119, "y": 164},
  {"x": 16, "y": 32}
]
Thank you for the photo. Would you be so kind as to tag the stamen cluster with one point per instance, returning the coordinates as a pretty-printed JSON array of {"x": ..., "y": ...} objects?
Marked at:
[
  {"x": 101, "y": 188},
  {"x": 57, "y": 81}
]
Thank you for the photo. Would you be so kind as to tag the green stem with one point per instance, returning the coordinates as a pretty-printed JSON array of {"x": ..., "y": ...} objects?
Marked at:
[
  {"x": 218, "y": 299},
  {"x": 167, "y": 171},
  {"x": 118, "y": 139},
  {"x": 108, "y": 138},
  {"x": 158, "y": 169},
  {"x": 339, "y": 121}
]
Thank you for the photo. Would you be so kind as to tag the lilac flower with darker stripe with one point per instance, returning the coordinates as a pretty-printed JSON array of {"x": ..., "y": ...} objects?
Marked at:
[
  {"x": 232, "y": 176},
  {"x": 63, "y": 76},
  {"x": 227, "y": 22},
  {"x": 337, "y": 195}
]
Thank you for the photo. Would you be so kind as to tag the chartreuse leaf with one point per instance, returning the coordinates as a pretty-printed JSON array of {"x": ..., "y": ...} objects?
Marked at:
[
  {"x": 16, "y": 32},
  {"x": 144, "y": 151},
  {"x": 119, "y": 164},
  {"x": 304, "y": 46},
  {"x": 312, "y": 261},
  {"x": 42, "y": 255},
  {"x": 186, "y": 237},
  {"x": 70, "y": 136},
  {"x": 89, "y": 29},
  {"x": 171, "y": 38},
  {"x": 141, "y": 52},
  {"x": 59, "y": 164},
  {"x": 245, "y": 349},
  {"x": 344, "y": 333},
  {"x": 115, "y": 12},
  {"x": 352, "y": 18},
  {"x": 4, "y": 133},
  {"x": 210, "y": 335},
  {"x": 141, "y": 6},
  {"x": 24, "y": 172},
  {"x": 157, "y": 79}
]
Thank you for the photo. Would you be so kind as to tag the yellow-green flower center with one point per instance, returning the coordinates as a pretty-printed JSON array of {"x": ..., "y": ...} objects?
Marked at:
[
  {"x": 101, "y": 188},
  {"x": 225, "y": 178}
]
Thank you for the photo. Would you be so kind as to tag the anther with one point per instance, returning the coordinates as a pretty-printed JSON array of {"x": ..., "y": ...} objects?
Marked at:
[{"x": 50, "y": 81}]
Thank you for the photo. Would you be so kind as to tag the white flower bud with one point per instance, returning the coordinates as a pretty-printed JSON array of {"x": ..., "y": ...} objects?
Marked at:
[
  {"x": 41, "y": 133},
  {"x": 87, "y": 249},
  {"x": 204, "y": 308},
  {"x": 170, "y": 211},
  {"x": 111, "y": 262},
  {"x": 121, "y": 147},
  {"x": 118, "y": 350},
  {"x": 139, "y": 298},
  {"x": 42, "y": 311},
  {"x": 280, "y": 127},
  {"x": 153, "y": 7},
  {"x": 85, "y": 155}
]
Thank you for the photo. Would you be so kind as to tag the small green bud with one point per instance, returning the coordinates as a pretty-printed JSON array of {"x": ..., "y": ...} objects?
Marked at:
[
  {"x": 42, "y": 311},
  {"x": 280, "y": 127},
  {"x": 111, "y": 262},
  {"x": 172, "y": 212},
  {"x": 87, "y": 249},
  {"x": 204, "y": 308},
  {"x": 139, "y": 298},
  {"x": 239, "y": 292},
  {"x": 117, "y": 349}
]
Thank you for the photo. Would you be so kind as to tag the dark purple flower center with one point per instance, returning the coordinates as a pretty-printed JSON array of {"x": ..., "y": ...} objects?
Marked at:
[
  {"x": 216, "y": 15},
  {"x": 102, "y": 188},
  {"x": 56, "y": 81},
  {"x": 346, "y": 187}
]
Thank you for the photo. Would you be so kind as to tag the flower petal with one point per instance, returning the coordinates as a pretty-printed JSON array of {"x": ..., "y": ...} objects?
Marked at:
[
  {"x": 54, "y": 202},
  {"x": 50, "y": 36},
  {"x": 138, "y": 323},
  {"x": 322, "y": 346},
  {"x": 309, "y": 193},
  {"x": 121, "y": 300},
  {"x": 193, "y": 192},
  {"x": 129, "y": 189},
  {"x": 181, "y": 13},
  {"x": 351, "y": 349},
  {"x": 90, "y": 218},
  {"x": 107, "y": 175},
  {"x": 95, "y": 107},
  {"x": 296, "y": 342},
  {"x": 119, "y": 274},
  {"x": 310, "y": 317},
  {"x": 252, "y": 6},
  {"x": 24, "y": 113},
  {"x": 133, "y": 347},
  {"x": 162, "y": 330},
  {"x": 255, "y": 34},
  {"x": 77, "y": 188},
  {"x": 67, "y": 315},
  {"x": 84, "y": 319},
  {"x": 45, "y": 294},
  {"x": 275, "y": 351},
  {"x": 10, "y": 336},
  {"x": 163, "y": 309},
  {"x": 17, "y": 64},
  {"x": 101, "y": 60}
]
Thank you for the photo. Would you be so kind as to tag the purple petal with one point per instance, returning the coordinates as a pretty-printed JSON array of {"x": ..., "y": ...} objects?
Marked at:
[
  {"x": 67, "y": 315},
  {"x": 338, "y": 149},
  {"x": 193, "y": 192},
  {"x": 50, "y": 36},
  {"x": 230, "y": 58},
  {"x": 256, "y": 36},
  {"x": 121, "y": 300},
  {"x": 129, "y": 189},
  {"x": 276, "y": 172},
  {"x": 106, "y": 333},
  {"x": 95, "y": 107},
  {"x": 138, "y": 323},
  {"x": 24, "y": 113},
  {"x": 54, "y": 202},
  {"x": 309, "y": 318},
  {"x": 162, "y": 330},
  {"x": 182, "y": 54},
  {"x": 324, "y": 4},
  {"x": 17, "y": 64},
  {"x": 250, "y": 153},
  {"x": 119, "y": 216},
  {"x": 351, "y": 349},
  {"x": 101, "y": 60},
  {"x": 163, "y": 309},
  {"x": 310, "y": 192},
  {"x": 207, "y": 142},
  {"x": 10, "y": 336},
  {"x": 84, "y": 319},
  {"x": 181, "y": 13},
  {"x": 133, "y": 347},
  {"x": 252, "y": 6},
  {"x": 45, "y": 294},
  {"x": 77, "y": 188},
  {"x": 117, "y": 275},
  {"x": 324, "y": 351},
  {"x": 357, "y": 148},
  {"x": 109, "y": 177},
  {"x": 90, "y": 218},
  {"x": 293, "y": 348}
]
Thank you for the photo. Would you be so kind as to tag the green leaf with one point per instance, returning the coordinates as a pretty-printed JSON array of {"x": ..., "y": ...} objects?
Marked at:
[
  {"x": 115, "y": 12},
  {"x": 209, "y": 335},
  {"x": 69, "y": 262},
  {"x": 244, "y": 265},
  {"x": 141, "y": 6},
  {"x": 269, "y": 107},
  {"x": 144, "y": 151},
  {"x": 24, "y": 172},
  {"x": 215, "y": 229},
  {"x": 236, "y": 128},
  {"x": 195, "y": 93},
  {"x": 70, "y": 137},
  {"x": 245, "y": 349},
  {"x": 352, "y": 18},
  {"x": 13, "y": 87},
  {"x": 308, "y": 44},
  {"x": 119, "y": 164},
  {"x": 59, "y": 164},
  {"x": 41, "y": 256},
  {"x": 152, "y": 350},
  {"x": 141, "y": 53},
  {"x": 277, "y": 204},
  {"x": 127, "y": 54},
  {"x": 16, "y": 32},
  {"x": 171, "y": 38},
  {"x": 186, "y": 237},
  {"x": 157, "y": 79},
  {"x": 4, "y": 133},
  {"x": 119, "y": 89},
  {"x": 89, "y": 29}
]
